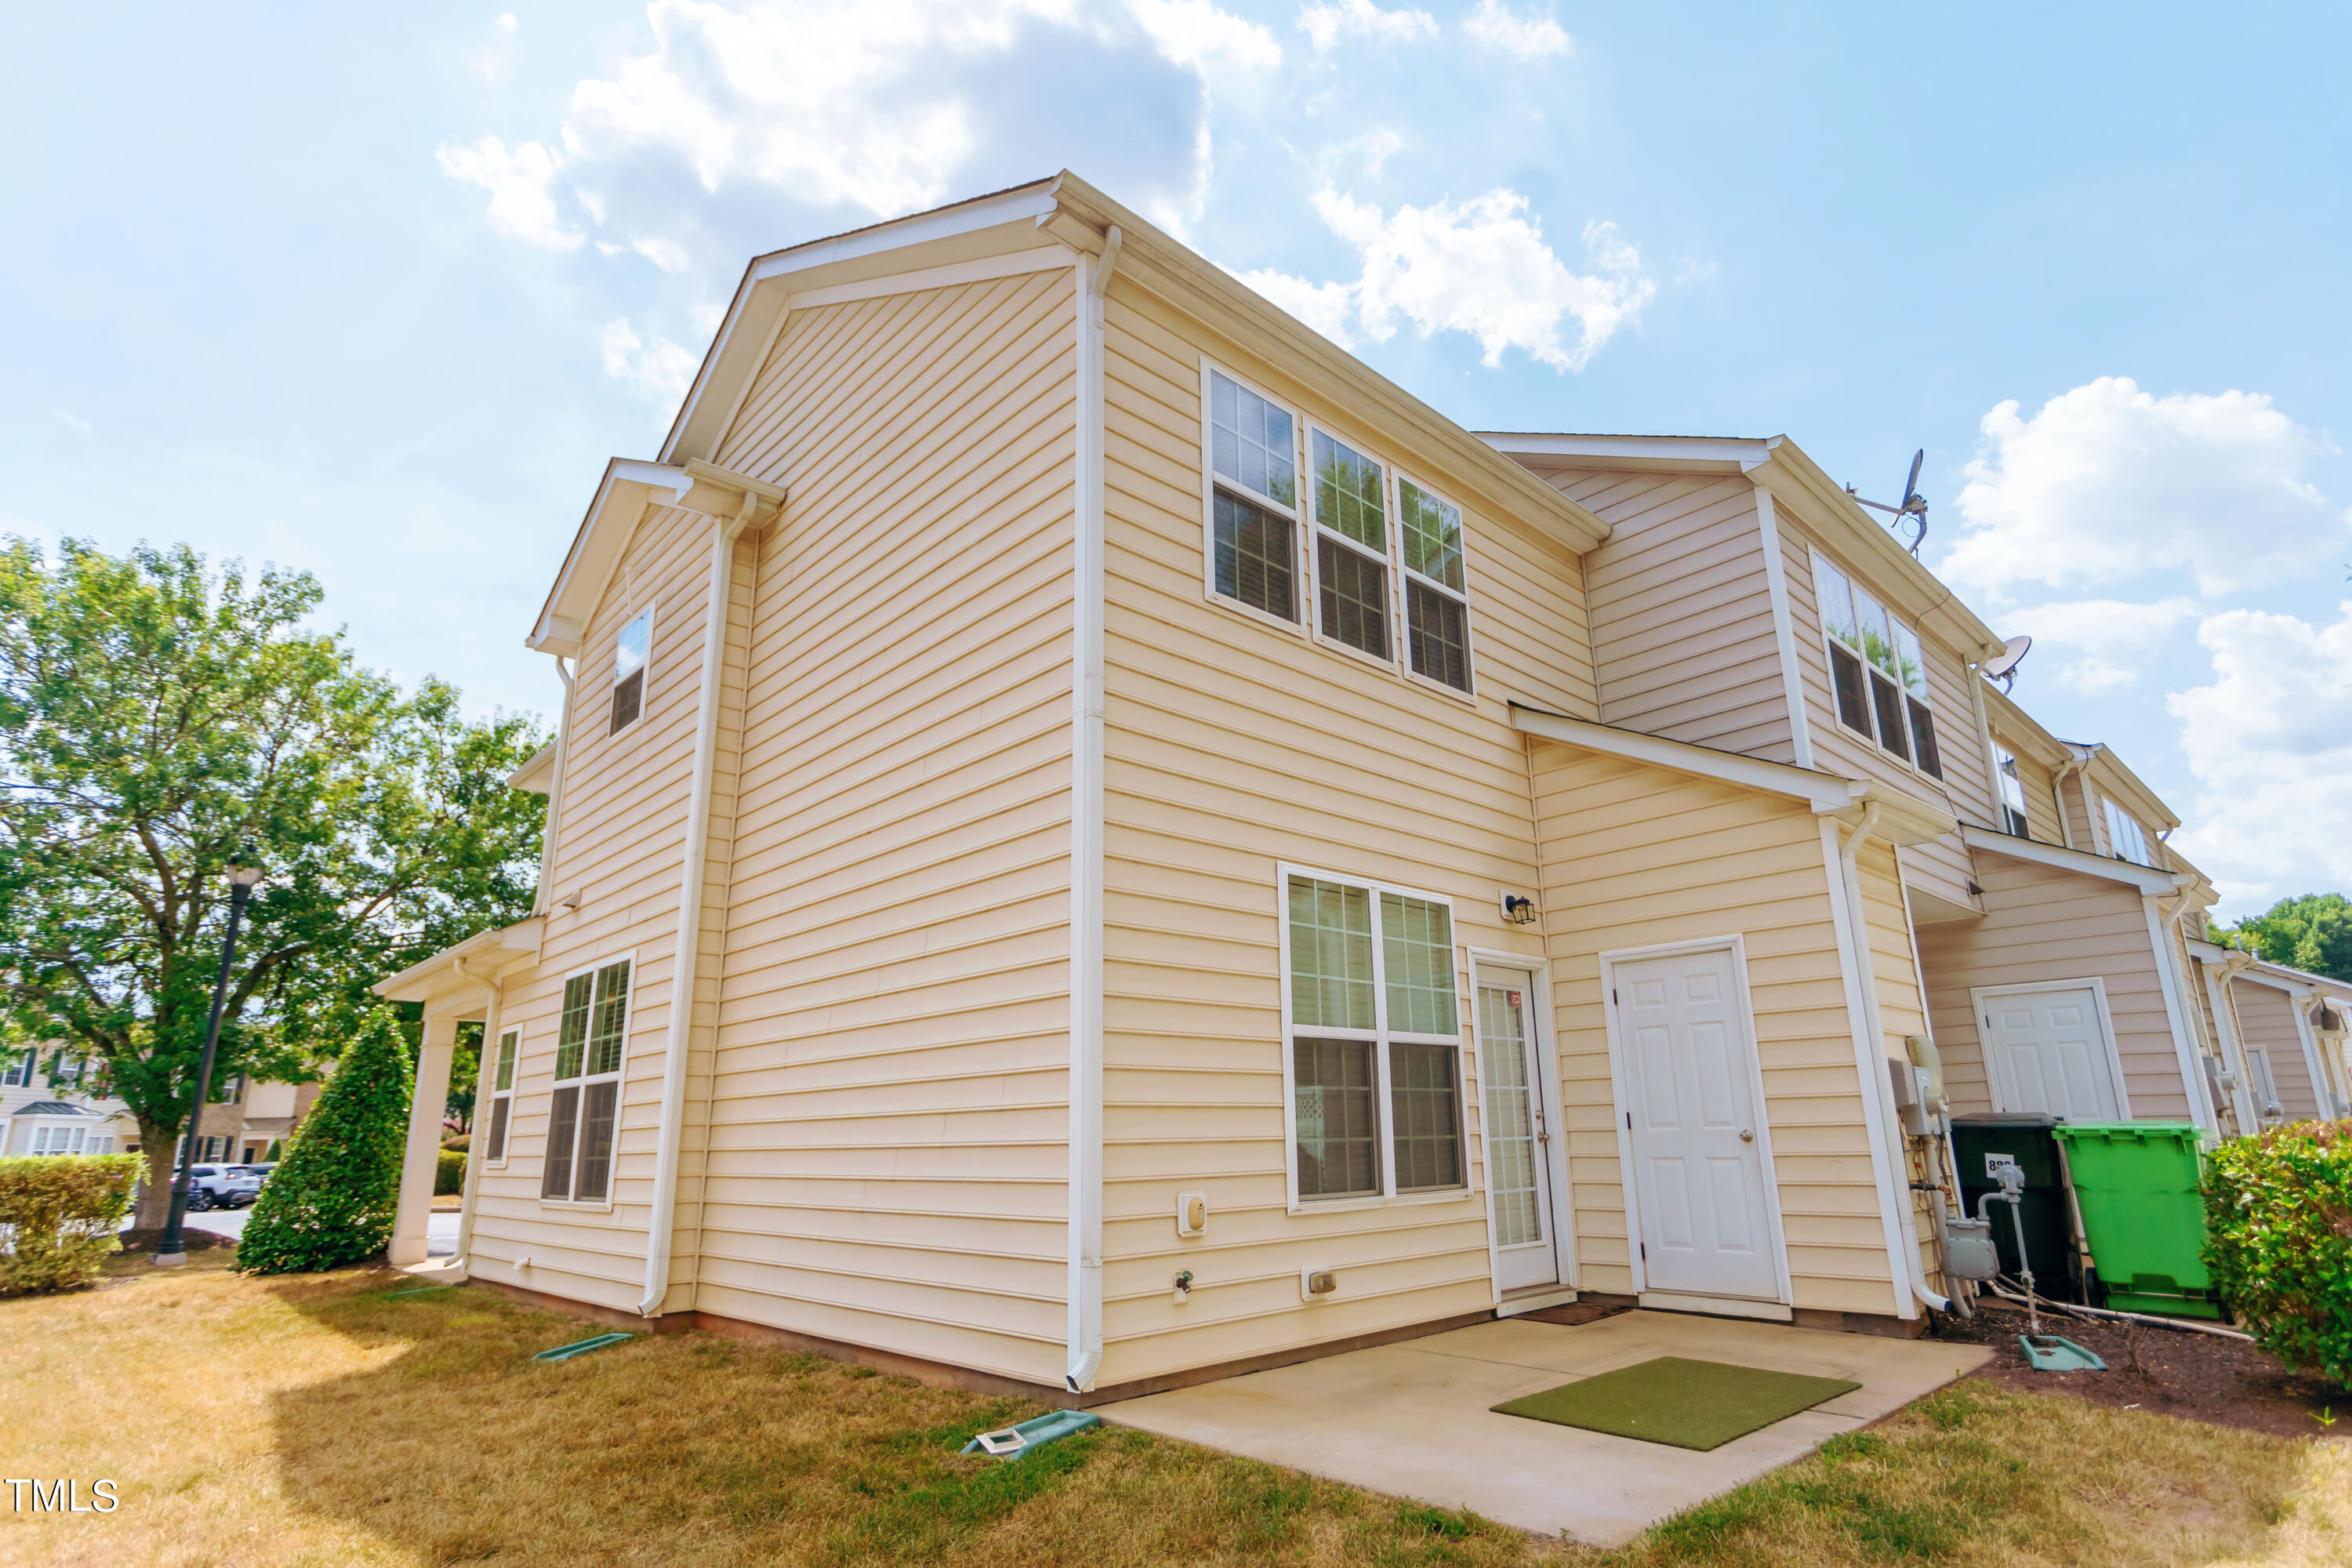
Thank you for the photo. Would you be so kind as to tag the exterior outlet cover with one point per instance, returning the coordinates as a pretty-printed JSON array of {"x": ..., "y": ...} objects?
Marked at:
[
  {"x": 1315, "y": 1281},
  {"x": 1191, "y": 1214}
]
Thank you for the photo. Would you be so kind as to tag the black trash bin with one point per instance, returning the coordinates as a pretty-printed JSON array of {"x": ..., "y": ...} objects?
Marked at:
[{"x": 2025, "y": 1137}]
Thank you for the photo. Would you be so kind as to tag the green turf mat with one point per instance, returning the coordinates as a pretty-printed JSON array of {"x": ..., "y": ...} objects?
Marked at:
[{"x": 1688, "y": 1403}]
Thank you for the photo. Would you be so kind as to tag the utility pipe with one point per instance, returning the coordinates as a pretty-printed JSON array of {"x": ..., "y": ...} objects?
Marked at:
[
  {"x": 2185, "y": 1325},
  {"x": 690, "y": 912},
  {"x": 546, "y": 895},
  {"x": 1084, "y": 1330},
  {"x": 1849, "y": 864}
]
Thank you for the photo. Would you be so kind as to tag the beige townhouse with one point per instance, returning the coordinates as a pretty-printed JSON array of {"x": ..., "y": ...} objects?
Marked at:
[
  {"x": 2282, "y": 1032},
  {"x": 1094, "y": 842}
]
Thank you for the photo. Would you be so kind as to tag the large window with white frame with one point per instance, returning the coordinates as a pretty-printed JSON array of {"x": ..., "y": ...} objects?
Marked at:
[
  {"x": 1374, "y": 1040},
  {"x": 1877, "y": 669},
  {"x": 502, "y": 1078},
  {"x": 2014, "y": 820},
  {"x": 1254, "y": 498},
  {"x": 1382, "y": 571},
  {"x": 20, "y": 1068},
  {"x": 584, "y": 1108},
  {"x": 2126, "y": 837},
  {"x": 632, "y": 653}
]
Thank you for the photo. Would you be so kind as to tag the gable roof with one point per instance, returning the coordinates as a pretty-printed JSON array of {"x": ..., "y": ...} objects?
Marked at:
[{"x": 51, "y": 1107}]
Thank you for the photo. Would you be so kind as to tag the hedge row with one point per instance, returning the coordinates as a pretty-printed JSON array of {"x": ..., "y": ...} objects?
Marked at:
[{"x": 60, "y": 1216}]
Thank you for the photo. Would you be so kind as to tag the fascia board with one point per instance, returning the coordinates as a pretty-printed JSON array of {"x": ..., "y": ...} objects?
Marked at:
[
  {"x": 2277, "y": 976},
  {"x": 1823, "y": 791},
  {"x": 2125, "y": 787},
  {"x": 2161, "y": 883},
  {"x": 628, "y": 483},
  {"x": 429, "y": 977},
  {"x": 1672, "y": 454},
  {"x": 1905, "y": 819},
  {"x": 1154, "y": 262},
  {"x": 533, "y": 776},
  {"x": 2012, "y": 723},
  {"x": 768, "y": 280},
  {"x": 1797, "y": 481}
]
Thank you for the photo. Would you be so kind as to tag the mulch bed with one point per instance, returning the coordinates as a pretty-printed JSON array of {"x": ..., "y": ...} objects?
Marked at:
[
  {"x": 2202, "y": 1377},
  {"x": 192, "y": 1238}
]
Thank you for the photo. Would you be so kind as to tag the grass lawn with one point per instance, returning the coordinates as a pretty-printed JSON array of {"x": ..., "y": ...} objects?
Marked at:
[{"x": 312, "y": 1420}]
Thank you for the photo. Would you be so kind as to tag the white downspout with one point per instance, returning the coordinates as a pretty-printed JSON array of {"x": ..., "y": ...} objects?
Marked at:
[
  {"x": 1877, "y": 1088},
  {"x": 463, "y": 1261},
  {"x": 1991, "y": 761},
  {"x": 1086, "y": 1199},
  {"x": 689, "y": 913},
  {"x": 538, "y": 905},
  {"x": 2058, "y": 788},
  {"x": 2175, "y": 1007}
]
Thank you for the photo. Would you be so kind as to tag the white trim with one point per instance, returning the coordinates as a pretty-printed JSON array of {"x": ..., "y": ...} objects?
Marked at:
[
  {"x": 2225, "y": 1025},
  {"x": 1379, "y": 1036},
  {"x": 493, "y": 1035},
  {"x": 2097, "y": 987},
  {"x": 1398, "y": 479},
  {"x": 980, "y": 269},
  {"x": 1832, "y": 646},
  {"x": 1620, "y": 1083},
  {"x": 1784, "y": 629},
  {"x": 1717, "y": 1306},
  {"x": 1301, "y": 590},
  {"x": 1666, "y": 452},
  {"x": 686, "y": 946},
  {"x": 1822, "y": 792},
  {"x": 1084, "y": 1329},
  {"x": 492, "y": 1045},
  {"x": 1393, "y": 660},
  {"x": 583, "y": 1077},
  {"x": 2322, "y": 1088},
  {"x": 1035, "y": 200},
  {"x": 1548, "y": 1104},
  {"x": 2175, "y": 1012},
  {"x": 552, "y": 821},
  {"x": 2076, "y": 861},
  {"x": 1870, "y": 1058}
]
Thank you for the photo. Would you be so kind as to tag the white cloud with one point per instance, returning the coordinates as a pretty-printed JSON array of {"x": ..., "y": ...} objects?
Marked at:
[
  {"x": 2107, "y": 482},
  {"x": 1326, "y": 24},
  {"x": 494, "y": 61},
  {"x": 1197, "y": 35},
  {"x": 662, "y": 369},
  {"x": 79, "y": 427},
  {"x": 665, "y": 254},
  {"x": 2112, "y": 641},
  {"x": 1479, "y": 267},
  {"x": 2271, "y": 741},
  {"x": 1492, "y": 25},
  {"x": 517, "y": 179}
]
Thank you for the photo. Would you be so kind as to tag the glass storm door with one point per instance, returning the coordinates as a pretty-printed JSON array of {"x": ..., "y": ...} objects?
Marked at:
[{"x": 1518, "y": 1139}]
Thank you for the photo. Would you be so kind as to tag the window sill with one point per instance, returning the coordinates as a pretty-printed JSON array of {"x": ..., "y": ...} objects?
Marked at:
[
  {"x": 1251, "y": 613},
  {"x": 1348, "y": 650},
  {"x": 572, "y": 1206},
  {"x": 1865, "y": 738},
  {"x": 1401, "y": 1200},
  {"x": 1439, "y": 689}
]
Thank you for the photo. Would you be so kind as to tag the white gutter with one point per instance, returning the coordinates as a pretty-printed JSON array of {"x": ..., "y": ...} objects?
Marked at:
[
  {"x": 2233, "y": 1050},
  {"x": 1887, "y": 1163},
  {"x": 2058, "y": 790},
  {"x": 2176, "y": 998},
  {"x": 1086, "y": 1199},
  {"x": 546, "y": 895},
  {"x": 689, "y": 913}
]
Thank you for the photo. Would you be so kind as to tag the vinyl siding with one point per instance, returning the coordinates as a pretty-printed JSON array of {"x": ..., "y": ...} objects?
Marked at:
[
  {"x": 1942, "y": 868},
  {"x": 2044, "y": 926},
  {"x": 1232, "y": 746},
  {"x": 618, "y": 847},
  {"x": 2266, "y": 1017},
  {"x": 1635, "y": 856},
  {"x": 1683, "y": 643}
]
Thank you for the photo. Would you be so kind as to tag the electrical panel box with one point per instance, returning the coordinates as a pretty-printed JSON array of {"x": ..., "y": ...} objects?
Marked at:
[{"x": 1911, "y": 1099}]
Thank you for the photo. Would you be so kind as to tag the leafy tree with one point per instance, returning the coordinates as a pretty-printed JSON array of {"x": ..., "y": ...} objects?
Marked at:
[
  {"x": 2313, "y": 932},
  {"x": 156, "y": 715},
  {"x": 465, "y": 1072},
  {"x": 332, "y": 1199}
]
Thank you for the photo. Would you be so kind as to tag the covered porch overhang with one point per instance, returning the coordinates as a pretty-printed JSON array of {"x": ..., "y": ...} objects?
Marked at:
[{"x": 455, "y": 985}]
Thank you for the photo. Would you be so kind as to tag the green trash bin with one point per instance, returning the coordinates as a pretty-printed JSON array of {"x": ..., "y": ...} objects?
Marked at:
[{"x": 2143, "y": 1214}]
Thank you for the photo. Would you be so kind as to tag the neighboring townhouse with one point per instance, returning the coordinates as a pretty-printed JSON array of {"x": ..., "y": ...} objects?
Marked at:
[
  {"x": 1184, "y": 858},
  {"x": 46, "y": 1107},
  {"x": 2282, "y": 1032},
  {"x": 1745, "y": 602}
]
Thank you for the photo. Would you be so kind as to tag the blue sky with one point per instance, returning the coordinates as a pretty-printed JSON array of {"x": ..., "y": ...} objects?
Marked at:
[{"x": 376, "y": 294}]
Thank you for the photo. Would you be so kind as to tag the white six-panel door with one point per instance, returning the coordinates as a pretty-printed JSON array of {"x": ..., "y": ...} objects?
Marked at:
[
  {"x": 2047, "y": 1050},
  {"x": 1692, "y": 1121}
]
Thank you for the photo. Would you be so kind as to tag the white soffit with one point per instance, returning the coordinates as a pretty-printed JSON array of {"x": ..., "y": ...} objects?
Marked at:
[{"x": 2076, "y": 861}]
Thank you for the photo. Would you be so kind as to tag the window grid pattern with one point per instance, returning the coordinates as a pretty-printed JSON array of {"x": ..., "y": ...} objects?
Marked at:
[
  {"x": 610, "y": 1011},
  {"x": 1877, "y": 669},
  {"x": 2012, "y": 792},
  {"x": 583, "y": 1115},
  {"x": 1348, "y": 494},
  {"x": 1441, "y": 636},
  {"x": 1354, "y": 598},
  {"x": 1251, "y": 441},
  {"x": 571, "y": 1034},
  {"x": 1399, "y": 993},
  {"x": 1509, "y": 1128},
  {"x": 1433, "y": 535},
  {"x": 1254, "y": 557}
]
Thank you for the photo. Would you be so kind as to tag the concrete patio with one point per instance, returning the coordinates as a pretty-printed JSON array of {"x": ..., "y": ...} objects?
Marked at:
[{"x": 1412, "y": 1419}]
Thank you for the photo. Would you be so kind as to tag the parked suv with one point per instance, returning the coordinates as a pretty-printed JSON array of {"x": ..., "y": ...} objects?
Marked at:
[{"x": 221, "y": 1187}]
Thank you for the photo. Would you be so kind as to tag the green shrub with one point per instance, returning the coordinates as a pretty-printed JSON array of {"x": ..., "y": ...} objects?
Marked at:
[
  {"x": 333, "y": 1198},
  {"x": 2279, "y": 1240},
  {"x": 58, "y": 1217},
  {"x": 449, "y": 1175}
]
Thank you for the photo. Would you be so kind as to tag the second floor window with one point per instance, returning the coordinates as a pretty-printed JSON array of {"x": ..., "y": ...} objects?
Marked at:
[
  {"x": 502, "y": 1078},
  {"x": 1436, "y": 606},
  {"x": 2012, "y": 793},
  {"x": 2126, "y": 837},
  {"x": 585, "y": 1108},
  {"x": 1254, "y": 472},
  {"x": 21, "y": 1065},
  {"x": 1877, "y": 668},
  {"x": 1352, "y": 546},
  {"x": 631, "y": 651}
]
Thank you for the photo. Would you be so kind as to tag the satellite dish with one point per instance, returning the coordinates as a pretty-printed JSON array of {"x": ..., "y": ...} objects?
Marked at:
[
  {"x": 1915, "y": 505},
  {"x": 2002, "y": 666}
]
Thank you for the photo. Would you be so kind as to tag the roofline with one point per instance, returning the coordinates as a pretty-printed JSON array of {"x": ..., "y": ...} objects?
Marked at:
[
  {"x": 618, "y": 471},
  {"x": 532, "y": 777},
  {"x": 2081, "y": 862},
  {"x": 1909, "y": 819},
  {"x": 413, "y": 983}
]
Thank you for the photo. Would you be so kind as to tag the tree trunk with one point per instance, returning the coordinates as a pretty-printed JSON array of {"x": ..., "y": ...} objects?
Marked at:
[{"x": 162, "y": 1152}]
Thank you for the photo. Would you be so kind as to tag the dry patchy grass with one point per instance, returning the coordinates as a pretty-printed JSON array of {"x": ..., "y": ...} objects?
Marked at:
[{"x": 316, "y": 1420}]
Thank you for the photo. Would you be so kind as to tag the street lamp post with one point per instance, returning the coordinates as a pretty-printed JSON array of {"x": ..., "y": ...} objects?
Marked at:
[{"x": 243, "y": 871}]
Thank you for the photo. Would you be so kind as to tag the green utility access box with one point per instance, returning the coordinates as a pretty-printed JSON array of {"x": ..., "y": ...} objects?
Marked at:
[{"x": 2137, "y": 1185}]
